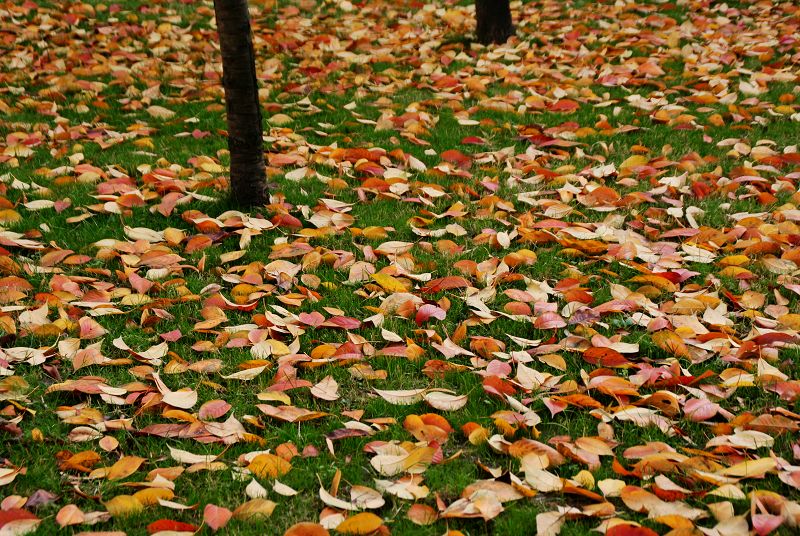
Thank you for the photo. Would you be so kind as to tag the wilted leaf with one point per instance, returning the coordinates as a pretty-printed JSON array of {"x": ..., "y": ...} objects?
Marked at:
[
  {"x": 413, "y": 462},
  {"x": 290, "y": 413},
  {"x": 402, "y": 397},
  {"x": 445, "y": 401}
]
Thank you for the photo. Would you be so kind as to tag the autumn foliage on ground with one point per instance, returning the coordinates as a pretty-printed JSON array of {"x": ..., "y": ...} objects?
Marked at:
[{"x": 553, "y": 283}]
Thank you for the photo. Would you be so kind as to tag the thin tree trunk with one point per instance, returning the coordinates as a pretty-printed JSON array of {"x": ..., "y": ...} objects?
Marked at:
[
  {"x": 494, "y": 21},
  {"x": 245, "y": 142}
]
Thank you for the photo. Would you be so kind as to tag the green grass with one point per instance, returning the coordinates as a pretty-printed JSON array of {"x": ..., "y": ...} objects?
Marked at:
[{"x": 296, "y": 59}]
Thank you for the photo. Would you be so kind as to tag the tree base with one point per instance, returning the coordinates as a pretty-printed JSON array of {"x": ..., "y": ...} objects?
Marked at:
[
  {"x": 497, "y": 36},
  {"x": 494, "y": 21}
]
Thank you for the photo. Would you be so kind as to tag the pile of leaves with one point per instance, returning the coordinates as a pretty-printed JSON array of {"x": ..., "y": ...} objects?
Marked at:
[{"x": 556, "y": 279}]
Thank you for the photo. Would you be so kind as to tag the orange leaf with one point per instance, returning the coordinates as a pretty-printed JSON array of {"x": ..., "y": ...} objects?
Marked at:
[
  {"x": 625, "y": 529},
  {"x": 69, "y": 515},
  {"x": 306, "y": 529},
  {"x": 363, "y": 523},
  {"x": 269, "y": 466},
  {"x": 422, "y": 514},
  {"x": 671, "y": 343},
  {"x": 123, "y": 505}
]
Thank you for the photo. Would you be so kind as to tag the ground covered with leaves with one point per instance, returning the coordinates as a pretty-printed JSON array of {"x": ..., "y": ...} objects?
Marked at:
[{"x": 553, "y": 282}]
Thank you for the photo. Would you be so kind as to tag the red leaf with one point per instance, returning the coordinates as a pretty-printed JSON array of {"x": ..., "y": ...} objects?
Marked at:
[
  {"x": 473, "y": 140},
  {"x": 14, "y": 514},
  {"x": 605, "y": 357},
  {"x": 772, "y": 338},
  {"x": 169, "y": 524},
  {"x": 494, "y": 385},
  {"x": 344, "y": 322},
  {"x": 564, "y": 105},
  {"x": 455, "y": 156},
  {"x": 444, "y": 283}
]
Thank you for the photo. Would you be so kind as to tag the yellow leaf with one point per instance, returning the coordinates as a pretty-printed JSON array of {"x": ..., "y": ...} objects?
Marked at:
[
  {"x": 790, "y": 320},
  {"x": 123, "y": 505},
  {"x": 125, "y": 466},
  {"x": 254, "y": 508},
  {"x": 750, "y": 468},
  {"x": 8, "y": 215},
  {"x": 389, "y": 283},
  {"x": 734, "y": 272},
  {"x": 636, "y": 160},
  {"x": 374, "y": 233},
  {"x": 734, "y": 260},
  {"x": 150, "y": 496},
  {"x": 363, "y": 523},
  {"x": 212, "y": 167}
]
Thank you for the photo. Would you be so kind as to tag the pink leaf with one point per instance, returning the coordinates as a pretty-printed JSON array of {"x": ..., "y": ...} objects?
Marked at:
[
  {"x": 549, "y": 321},
  {"x": 171, "y": 336},
  {"x": 216, "y": 517},
  {"x": 344, "y": 322},
  {"x": 698, "y": 410},
  {"x": 427, "y": 311},
  {"x": 765, "y": 523},
  {"x": 90, "y": 329},
  {"x": 213, "y": 409},
  {"x": 313, "y": 319},
  {"x": 139, "y": 283}
]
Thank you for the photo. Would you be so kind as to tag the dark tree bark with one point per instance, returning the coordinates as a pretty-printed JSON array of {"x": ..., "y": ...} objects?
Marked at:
[
  {"x": 494, "y": 21},
  {"x": 245, "y": 142}
]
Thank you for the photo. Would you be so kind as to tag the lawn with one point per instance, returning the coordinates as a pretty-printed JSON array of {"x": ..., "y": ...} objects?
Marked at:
[{"x": 549, "y": 286}]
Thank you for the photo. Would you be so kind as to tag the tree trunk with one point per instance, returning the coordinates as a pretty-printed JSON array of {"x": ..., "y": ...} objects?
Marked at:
[
  {"x": 494, "y": 21},
  {"x": 245, "y": 142}
]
